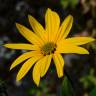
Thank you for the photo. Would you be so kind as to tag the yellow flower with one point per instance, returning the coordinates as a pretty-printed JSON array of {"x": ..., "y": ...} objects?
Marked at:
[{"x": 46, "y": 44}]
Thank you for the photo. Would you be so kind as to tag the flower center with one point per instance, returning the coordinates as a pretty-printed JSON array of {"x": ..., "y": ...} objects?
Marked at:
[{"x": 48, "y": 48}]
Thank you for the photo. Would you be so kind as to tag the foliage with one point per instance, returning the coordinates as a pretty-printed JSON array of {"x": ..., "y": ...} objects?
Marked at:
[
  {"x": 66, "y": 89},
  {"x": 67, "y": 3},
  {"x": 93, "y": 92}
]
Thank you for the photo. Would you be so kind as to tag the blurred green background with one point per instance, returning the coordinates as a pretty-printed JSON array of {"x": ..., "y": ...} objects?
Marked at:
[{"x": 80, "y": 70}]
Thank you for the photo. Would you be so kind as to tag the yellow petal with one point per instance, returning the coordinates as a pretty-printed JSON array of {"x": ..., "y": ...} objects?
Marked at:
[
  {"x": 26, "y": 67},
  {"x": 58, "y": 63},
  {"x": 36, "y": 72},
  {"x": 22, "y": 46},
  {"x": 71, "y": 49},
  {"x": 65, "y": 28},
  {"x": 56, "y": 25},
  {"x": 79, "y": 40},
  {"x": 23, "y": 57},
  {"x": 52, "y": 22},
  {"x": 29, "y": 35},
  {"x": 37, "y": 27},
  {"x": 61, "y": 59},
  {"x": 45, "y": 63}
]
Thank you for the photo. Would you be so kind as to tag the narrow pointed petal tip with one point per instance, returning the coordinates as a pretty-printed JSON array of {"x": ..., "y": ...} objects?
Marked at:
[
  {"x": 84, "y": 51},
  {"x": 18, "y": 78},
  {"x": 11, "y": 68},
  {"x": 70, "y": 18},
  {"x": 29, "y": 15},
  {"x": 60, "y": 76},
  {"x": 92, "y": 39},
  {"x": 48, "y": 9},
  {"x": 6, "y": 45},
  {"x": 37, "y": 83},
  {"x": 17, "y": 24},
  {"x": 87, "y": 52}
]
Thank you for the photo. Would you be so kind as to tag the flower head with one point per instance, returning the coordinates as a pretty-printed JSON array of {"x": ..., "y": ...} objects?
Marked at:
[{"x": 46, "y": 44}]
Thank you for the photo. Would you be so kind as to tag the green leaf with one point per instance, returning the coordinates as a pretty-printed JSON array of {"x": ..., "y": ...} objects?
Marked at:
[
  {"x": 66, "y": 88},
  {"x": 64, "y": 3},
  {"x": 70, "y": 3},
  {"x": 93, "y": 92},
  {"x": 74, "y": 3}
]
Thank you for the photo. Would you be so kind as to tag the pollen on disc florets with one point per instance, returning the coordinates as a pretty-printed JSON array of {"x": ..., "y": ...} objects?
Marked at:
[{"x": 48, "y": 48}]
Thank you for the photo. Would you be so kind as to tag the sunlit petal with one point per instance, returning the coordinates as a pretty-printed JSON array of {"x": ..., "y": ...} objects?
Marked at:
[
  {"x": 37, "y": 72},
  {"x": 45, "y": 63},
  {"x": 37, "y": 27},
  {"x": 61, "y": 59},
  {"x": 26, "y": 67},
  {"x": 71, "y": 49},
  {"x": 22, "y": 46},
  {"x": 79, "y": 40},
  {"x": 58, "y": 63},
  {"x": 29, "y": 35},
  {"x": 52, "y": 22},
  {"x": 23, "y": 57},
  {"x": 65, "y": 28}
]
